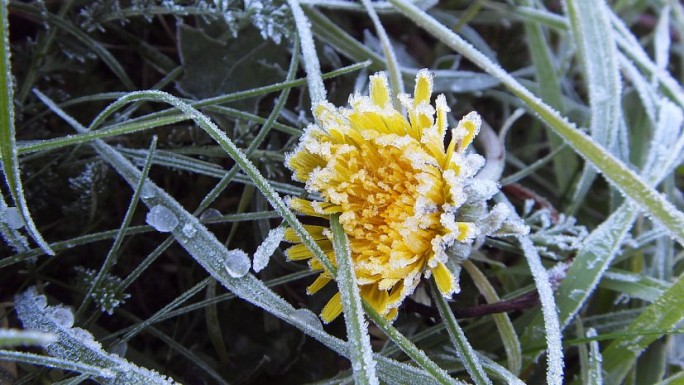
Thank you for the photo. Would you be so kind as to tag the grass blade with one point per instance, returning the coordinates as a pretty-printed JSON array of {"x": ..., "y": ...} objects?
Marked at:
[
  {"x": 465, "y": 352},
  {"x": 363, "y": 365},
  {"x": 593, "y": 35},
  {"x": 8, "y": 144}
]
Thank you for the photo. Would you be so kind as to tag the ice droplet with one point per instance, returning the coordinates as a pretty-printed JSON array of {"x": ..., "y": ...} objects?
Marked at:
[
  {"x": 62, "y": 316},
  {"x": 12, "y": 217},
  {"x": 147, "y": 191},
  {"x": 189, "y": 230},
  {"x": 237, "y": 263},
  {"x": 40, "y": 301},
  {"x": 210, "y": 214},
  {"x": 162, "y": 219},
  {"x": 263, "y": 253},
  {"x": 308, "y": 317}
]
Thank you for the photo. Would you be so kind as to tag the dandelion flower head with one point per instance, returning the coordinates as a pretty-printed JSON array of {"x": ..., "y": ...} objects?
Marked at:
[{"x": 396, "y": 186}]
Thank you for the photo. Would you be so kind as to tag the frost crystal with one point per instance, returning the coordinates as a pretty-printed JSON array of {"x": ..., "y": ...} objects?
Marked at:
[
  {"x": 189, "y": 230},
  {"x": 237, "y": 263},
  {"x": 267, "y": 248},
  {"x": 162, "y": 219},
  {"x": 107, "y": 295}
]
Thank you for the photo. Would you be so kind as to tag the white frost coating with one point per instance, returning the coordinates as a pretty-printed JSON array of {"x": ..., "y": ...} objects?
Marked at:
[
  {"x": 263, "y": 253},
  {"x": 162, "y": 219},
  {"x": 237, "y": 263},
  {"x": 311, "y": 64},
  {"x": 12, "y": 217},
  {"x": 308, "y": 317},
  {"x": 554, "y": 374},
  {"x": 76, "y": 344}
]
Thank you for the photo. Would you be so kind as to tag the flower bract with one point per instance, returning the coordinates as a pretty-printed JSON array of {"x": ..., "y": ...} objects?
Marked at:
[{"x": 396, "y": 185}]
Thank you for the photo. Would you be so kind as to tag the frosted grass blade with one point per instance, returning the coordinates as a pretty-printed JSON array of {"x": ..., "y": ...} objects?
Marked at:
[
  {"x": 595, "y": 372},
  {"x": 593, "y": 35},
  {"x": 78, "y": 344},
  {"x": 616, "y": 172},
  {"x": 311, "y": 63},
  {"x": 363, "y": 365},
  {"x": 8, "y": 145},
  {"x": 59, "y": 363},
  {"x": 463, "y": 348},
  {"x": 565, "y": 163},
  {"x": 14, "y": 337}
]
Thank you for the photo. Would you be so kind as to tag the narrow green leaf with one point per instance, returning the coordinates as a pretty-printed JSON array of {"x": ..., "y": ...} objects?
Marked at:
[
  {"x": 565, "y": 163},
  {"x": 465, "y": 352},
  {"x": 593, "y": 35},
  {"x": 503, "y": 323},
  {"x": 8, "y": 145},
  {"x": 363, "y": 365}
]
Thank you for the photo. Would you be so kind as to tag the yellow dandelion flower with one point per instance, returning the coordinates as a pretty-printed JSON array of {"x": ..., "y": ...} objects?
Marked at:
[{"x": 395, "y": 186}]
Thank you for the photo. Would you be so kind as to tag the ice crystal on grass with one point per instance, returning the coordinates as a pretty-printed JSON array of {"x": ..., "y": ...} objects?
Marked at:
[
  {"x": 398, "y": 189},
  {"x": 554, "y": 236},
  {"x": 267, "y": 248},
  {"x": 107, "y": 295},
  {"x": 12, "y": 217},
  {"x": 78, "y": 345},
  {"x": 237, "y": 263},
  {"x": 162, "y": 219}
]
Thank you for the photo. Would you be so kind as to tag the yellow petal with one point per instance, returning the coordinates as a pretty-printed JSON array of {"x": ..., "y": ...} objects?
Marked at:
[
  {"x": 298, "y": 253},
  {"x": 302, "y": 163},
  {"x": 318, "y": 284},
  {"x": 318, "y": 209},
  {"x": 464, "y": 231},
  {"x": 468, "y": 127},
  {"x": 392, "y": 314},
  {"x": 423, "y": 89},
  {"x": 376, "y": 298},
  {"x": 444, "y": 279},
  {"x": 316, "y": 233},
  {"x": 332, "y": 309},
  {"x": 379, "y": 89}
]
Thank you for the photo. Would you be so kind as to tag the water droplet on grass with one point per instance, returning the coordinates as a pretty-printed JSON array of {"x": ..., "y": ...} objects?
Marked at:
[
  {"x": 62, "y": 316},
  {"x": 12, "y": 217},
  {"x": 308, "y": 317},
  {"x": 209, "y": 214},
  {"x": 162, "y": 219},
  {"x": 237, "y": 263}
]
